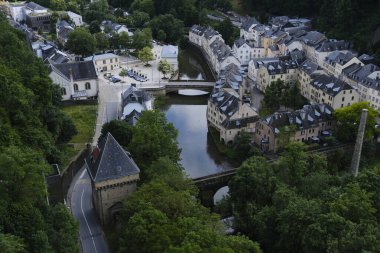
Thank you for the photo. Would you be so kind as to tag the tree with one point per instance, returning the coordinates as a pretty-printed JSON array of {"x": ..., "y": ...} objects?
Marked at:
[
  {"x": 273, "y": 95},
  {"x": 81, "y": 42},
  {"x": 349, "y": 118},
  {"x": 164, "y": 67},
  {"x": 226, "y": 29},
  {"x": 11, "y": 244},
  {"x": 146, "y": 6},
  {"x": 120, "y": 130},
  {"x": 138, "y": 19},
  {"x": 94, "y": 27},
  {"x": 167, "y": 27},
  {"x": 145, "y": 55},
  {"x": 101, "y": 41},
  {"x": 124, "y": 40},
  {"x": 123, "y": 73},
  {"x": 153, "y": 137},
  {"x": 142, "y": 39}
]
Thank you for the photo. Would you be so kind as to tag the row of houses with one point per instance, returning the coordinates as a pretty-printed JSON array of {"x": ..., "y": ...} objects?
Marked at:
[{"x": 217, "y": 53}]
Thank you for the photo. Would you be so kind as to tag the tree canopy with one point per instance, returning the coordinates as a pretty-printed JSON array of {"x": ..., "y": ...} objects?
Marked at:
[
  {"x": 145, "y": 55},
  {"x": 32, "y": 127},
  {"x": 298, "y": 204},
  {"x": 164, "y": 67},
  {"x": 81, "y": 42}
]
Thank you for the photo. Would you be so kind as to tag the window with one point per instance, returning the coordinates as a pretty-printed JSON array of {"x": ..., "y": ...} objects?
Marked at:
[
  {"x": 104, "y": 61},
  {"x": 88, "y": 86},
  {"x": 63, "y": 91},
  {"x": 111, "y": 61},
  {"x": 75, "y": 87},
  {"x": 342, "y": 99},
  {"x": 352, "y": 98}
]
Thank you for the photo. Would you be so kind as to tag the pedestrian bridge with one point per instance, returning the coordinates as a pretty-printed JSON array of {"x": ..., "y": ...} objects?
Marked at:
[{"x": 175, "y": 86}]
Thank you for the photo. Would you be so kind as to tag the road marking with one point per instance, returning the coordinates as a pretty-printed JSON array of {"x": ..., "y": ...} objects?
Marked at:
[
  {"x": 81, "y": 175},
  {"x": 85, "y": 219}
]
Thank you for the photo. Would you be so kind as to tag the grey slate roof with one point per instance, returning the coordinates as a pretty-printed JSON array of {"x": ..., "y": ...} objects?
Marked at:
[
  {"x": 110, "y": 161},
  {"x": 248, "y": 23},
  {"x": 197, "y": 29},
  {"x": 339, "y": 57},
  {"x": 230, "y": 77},
  {"x": 309, "y": 66},
  {"x": 226, "y": 102},
  {"x": 240, "y": 42},
  {"x": 133, "y": 94},
  {"x": 313, "y": 38},
  {"x": 239, "y": 123},
  {"x": 329, "y": 84},
  {"x": 307, "y": 117},
  {"x": 332, "y": 45},
  {"x": 297, "y": 55},
  {"x": 280, "y": 67},
  {"x": 365, "y": 58},
  {"x": 360, "y": 73},
  {"x": 101, "y": 57},
  {"x": 220, "y": 49},
  {"x": 35, "y": 7},
  {"x": 82, "y": 70}
]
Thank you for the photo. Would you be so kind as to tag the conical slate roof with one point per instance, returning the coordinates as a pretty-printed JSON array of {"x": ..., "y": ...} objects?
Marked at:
[{"x": 110, "y": 161}]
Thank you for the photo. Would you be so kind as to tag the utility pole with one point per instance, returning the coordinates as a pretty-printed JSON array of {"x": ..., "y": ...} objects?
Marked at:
[{"x": 359, "y": 144}]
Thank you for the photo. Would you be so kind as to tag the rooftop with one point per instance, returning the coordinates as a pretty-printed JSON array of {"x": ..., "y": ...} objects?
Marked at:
[{"x": 110, "y": 161}]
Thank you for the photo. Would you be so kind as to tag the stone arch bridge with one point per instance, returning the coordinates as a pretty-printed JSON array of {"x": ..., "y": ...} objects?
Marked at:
[{"x": 175, "y": 86}]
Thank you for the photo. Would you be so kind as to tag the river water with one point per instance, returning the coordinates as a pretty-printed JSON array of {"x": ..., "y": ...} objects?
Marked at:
[{"x": 199, "y": 155}]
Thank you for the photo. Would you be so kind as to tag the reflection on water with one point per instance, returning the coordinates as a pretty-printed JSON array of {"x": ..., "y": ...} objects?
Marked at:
[
  {"x": 199, "y": 155},
  {"x": 192, "y": 66}
]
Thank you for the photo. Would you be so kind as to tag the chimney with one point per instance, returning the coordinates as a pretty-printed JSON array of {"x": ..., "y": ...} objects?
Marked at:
[
  {"x": 71, "y": 75},
  {"x": 359, "y": 144},
  {"x": 95, "y": 154},
  {"x": 133, "y": 85}
]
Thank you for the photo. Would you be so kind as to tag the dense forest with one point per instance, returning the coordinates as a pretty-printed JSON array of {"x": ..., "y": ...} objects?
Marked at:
[
  {"x": 305, "y": 202},
  {"x": 32, "y": 130}
]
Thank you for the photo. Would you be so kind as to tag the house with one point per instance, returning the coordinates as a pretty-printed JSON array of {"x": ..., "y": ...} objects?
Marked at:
[
  {"x": 306, "y": 125},
  {"x": 305, "y": 70},
  {"x": 227, "y": 112},
  {"x": 76, "y": 18},
  {"x": 370, "y": 89},
  {"x": 114, "y": 176},
  {"x": 336, "y": 61},
  {"x": 105, "y": 62},
  {"x": 78, "y": 80},
  {"x": 330, "y": 90},
  {"x": 63, "y": 29},
  {"x": 133, "y": 102},
  {"x": 327, "y": 47},
  {"x": 107, "y": 26},
  {"x": 272, "y": 71},
  {"x": 221, "y": 55},
  {"x": 170, "y": 54},
  {"x": 195, "y": 34},
  {"x": 255, "y": 64},
  {"x": 47, "y": 50},
  {"x": 242, "y": 51},
  {"x": 247, "y": 29}
]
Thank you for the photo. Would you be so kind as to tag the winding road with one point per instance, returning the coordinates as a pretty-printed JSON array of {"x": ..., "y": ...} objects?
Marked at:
[{"x": 91, "y": 234}]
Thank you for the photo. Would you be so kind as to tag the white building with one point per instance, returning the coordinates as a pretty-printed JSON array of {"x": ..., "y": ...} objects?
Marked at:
[
  {"x": 133, "y": 102},
  {"x": 76, "y": 18},
  {"x": 170, "y": 54},
  {"x": 16, "y": 10},
  {"x": 105, "y": 62},
  {"x": 78, "y": 80}
]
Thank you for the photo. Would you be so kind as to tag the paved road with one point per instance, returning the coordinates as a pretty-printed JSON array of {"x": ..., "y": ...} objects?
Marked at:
[{"x": 91, "y": 234}]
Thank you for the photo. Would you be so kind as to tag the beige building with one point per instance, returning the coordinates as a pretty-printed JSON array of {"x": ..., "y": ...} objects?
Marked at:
[
  {"x": 114, "y": 177},
  {"x": 269, "y": 72},
  {"x": 228, "y": 111},
  {"x": 330, "y": 90},
  {"x": 105, "y": 62},
  {"x": 306, "y": 125}
]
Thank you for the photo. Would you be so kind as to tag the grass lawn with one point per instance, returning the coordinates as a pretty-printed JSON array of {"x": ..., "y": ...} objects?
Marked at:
[{"x": 84, "y": 117}]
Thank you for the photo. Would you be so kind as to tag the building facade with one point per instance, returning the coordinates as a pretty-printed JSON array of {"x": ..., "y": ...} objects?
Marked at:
[{"x": 105, "y": 62}]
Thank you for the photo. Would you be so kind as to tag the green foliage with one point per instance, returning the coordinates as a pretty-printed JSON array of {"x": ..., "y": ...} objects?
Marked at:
[
  {"x": 167, "y": 28},
  {"x": 120, "y": 130},
  {"x": 142, "y": 39},
  {"x": 164, "y": 67},
  {"x": 295, "y": 205},
  {"x": 138, "y": 19},
  {"x": 278, "y": 93},
  {"x": 145, "y": 55},
  {"x": 81, "y": 42},
  {"x": 101, "y": 41},
  {"x": 226, "y": 29},
  {"x": 349, "y": 118},
  {"x": 31, "y": 126},
  {"x": 153, "y": 137},
  {"x": 11, "y": 244}
]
